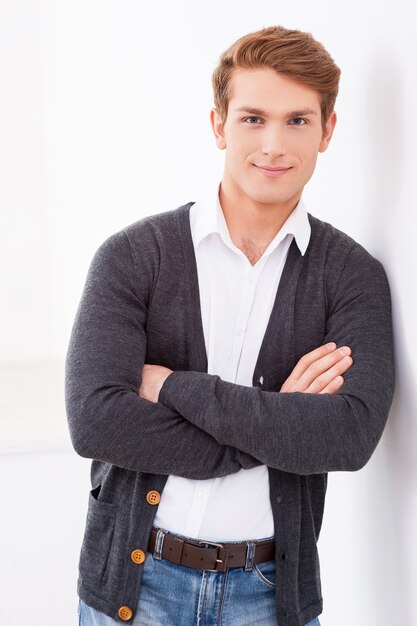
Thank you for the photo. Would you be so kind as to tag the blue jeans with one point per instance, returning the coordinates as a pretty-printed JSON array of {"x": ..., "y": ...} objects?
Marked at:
[{"x": 176, "y": 595}]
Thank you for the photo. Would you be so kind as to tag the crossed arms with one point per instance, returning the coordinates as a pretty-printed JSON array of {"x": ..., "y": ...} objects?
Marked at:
[
  {"x": 319, "y": 371},
  {"x": 203, "y": 427}
]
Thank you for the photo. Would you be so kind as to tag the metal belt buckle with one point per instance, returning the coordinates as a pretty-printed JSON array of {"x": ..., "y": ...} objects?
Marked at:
[{"x": 219, "y": 546}]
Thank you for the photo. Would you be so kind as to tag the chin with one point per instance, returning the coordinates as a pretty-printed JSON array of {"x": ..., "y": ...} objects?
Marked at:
[{"x": 268, "y": 198}]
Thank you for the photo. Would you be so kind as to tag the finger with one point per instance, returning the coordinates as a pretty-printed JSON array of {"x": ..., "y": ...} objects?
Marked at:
[
  {"x": 326, "y": 377},
  {"x": 334, "y": 385},
  {"x": 321, "y": 366},
  {"x": 308, "y": 359}
]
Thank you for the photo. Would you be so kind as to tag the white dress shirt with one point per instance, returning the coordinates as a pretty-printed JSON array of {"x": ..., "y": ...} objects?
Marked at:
[{"x": 236, "y": 303}]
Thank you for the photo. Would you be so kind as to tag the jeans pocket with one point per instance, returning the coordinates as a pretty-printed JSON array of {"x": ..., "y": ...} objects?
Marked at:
[
  {"x": 265, "y": 572},
  {"x": 98, "y": 537}
]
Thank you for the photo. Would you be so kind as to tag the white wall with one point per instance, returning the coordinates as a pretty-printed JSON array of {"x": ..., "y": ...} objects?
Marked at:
[{"x": 104, "y": 119}]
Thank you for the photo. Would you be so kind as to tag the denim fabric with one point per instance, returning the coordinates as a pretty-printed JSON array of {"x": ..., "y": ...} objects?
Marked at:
[{"x": 175, "y": 595}]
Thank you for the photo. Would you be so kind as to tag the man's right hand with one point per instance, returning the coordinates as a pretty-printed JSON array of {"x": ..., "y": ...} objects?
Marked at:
[{"x": 319, "y": 371}]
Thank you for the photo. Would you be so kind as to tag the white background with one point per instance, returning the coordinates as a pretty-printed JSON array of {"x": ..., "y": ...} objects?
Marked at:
[{"x": 104, "y": 119}]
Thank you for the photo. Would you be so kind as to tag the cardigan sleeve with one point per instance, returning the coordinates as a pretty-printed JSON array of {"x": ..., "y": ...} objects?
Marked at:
[
  {"x": 107, "y": 419},
  {"x": 309, "y": 433}
]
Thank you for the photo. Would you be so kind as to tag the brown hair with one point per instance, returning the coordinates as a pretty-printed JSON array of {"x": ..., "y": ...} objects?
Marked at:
[{"x": 292, "y": 53}]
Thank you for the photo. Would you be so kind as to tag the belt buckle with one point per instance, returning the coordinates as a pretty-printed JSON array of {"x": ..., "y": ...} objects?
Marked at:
[{"x": 219, "y": 546}]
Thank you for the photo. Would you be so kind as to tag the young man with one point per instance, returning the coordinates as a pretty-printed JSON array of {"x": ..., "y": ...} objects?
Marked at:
[{"x": 209, "y": 374}]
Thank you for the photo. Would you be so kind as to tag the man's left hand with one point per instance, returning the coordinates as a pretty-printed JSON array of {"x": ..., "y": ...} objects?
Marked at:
[{"x": 153, "y": 377}]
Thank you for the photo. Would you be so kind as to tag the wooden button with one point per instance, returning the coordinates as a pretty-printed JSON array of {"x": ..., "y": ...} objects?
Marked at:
[
  {"x": 138, "y": 556},
  {"x": 153, "y": 497},
  {"x": 125, "y": 613}
]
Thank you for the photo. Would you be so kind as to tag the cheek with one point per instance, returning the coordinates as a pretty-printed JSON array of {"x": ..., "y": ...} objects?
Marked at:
[
  {"x": 307, "y": 153},
  {"x": 308, "y": 165},
  {"x": 244, "y": 143},
  {"x": 239, "y": 151}
]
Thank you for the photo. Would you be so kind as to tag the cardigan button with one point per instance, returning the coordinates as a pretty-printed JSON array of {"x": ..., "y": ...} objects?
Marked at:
[
  {"x": 153, "y": 497},
  {"x": 138, "y": 557},
  {"x": 125, "y": 613}
]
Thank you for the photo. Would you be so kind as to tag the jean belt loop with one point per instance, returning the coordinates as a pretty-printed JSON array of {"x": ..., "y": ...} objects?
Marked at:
[
  {"x": 250, "y": 554},
  {"x": 159, "y": 543}
]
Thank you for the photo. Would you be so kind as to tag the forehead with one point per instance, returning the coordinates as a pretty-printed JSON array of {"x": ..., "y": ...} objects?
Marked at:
[{"x": 265, "y": 88}]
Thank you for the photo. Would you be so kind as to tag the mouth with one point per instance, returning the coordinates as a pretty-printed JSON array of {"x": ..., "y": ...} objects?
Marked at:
[{"x": 272, "y": 171}]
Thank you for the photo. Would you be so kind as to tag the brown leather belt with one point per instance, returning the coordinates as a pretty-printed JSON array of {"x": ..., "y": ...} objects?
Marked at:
[{"x": 208, "y": 555}]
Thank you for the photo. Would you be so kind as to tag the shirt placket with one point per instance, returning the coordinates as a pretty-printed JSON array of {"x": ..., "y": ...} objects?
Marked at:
[
  {"x": 246, "y": 301},
  {"x": 198, "y": 507}
]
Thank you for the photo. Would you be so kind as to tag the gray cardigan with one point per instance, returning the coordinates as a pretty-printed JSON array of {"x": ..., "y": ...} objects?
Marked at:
[{"x": 141, "y": 304}]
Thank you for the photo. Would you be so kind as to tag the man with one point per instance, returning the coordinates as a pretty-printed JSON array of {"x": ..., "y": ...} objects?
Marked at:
[{"x": 225, "y": 356}]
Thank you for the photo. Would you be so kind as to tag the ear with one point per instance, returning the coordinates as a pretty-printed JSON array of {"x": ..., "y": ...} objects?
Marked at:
[
  {"x": 328, "y": 132},
  {"x": 217, "y": 126}
]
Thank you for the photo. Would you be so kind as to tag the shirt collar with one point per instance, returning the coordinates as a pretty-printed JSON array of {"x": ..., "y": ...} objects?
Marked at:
[{"x": 209, "y": 218}]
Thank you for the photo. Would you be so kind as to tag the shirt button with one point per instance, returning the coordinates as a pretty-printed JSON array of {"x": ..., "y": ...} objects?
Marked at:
[
  {"x": 283, "y": 556},
  {"x": 153, "y": 497},
  {"x": 138, "y": 557},
  {"x": 279, "y": 499},
  {"x": 125, "y": 613}
]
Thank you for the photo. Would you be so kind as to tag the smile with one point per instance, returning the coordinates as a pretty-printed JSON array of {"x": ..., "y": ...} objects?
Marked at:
[{"x": 271, "y": 171}]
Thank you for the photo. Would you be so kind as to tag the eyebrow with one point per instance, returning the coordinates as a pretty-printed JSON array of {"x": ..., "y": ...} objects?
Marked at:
[{"x": 297, "y": 113}]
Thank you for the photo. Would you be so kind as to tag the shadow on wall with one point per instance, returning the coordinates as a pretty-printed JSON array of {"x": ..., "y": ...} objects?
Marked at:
[{"x": 391, "y": 489}]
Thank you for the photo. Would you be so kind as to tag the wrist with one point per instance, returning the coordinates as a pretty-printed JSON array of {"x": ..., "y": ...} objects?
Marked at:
[{"x": 163, "y": 381}]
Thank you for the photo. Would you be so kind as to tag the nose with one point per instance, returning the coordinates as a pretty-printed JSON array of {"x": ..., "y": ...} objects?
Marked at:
[{"x": 273, "y": 142}]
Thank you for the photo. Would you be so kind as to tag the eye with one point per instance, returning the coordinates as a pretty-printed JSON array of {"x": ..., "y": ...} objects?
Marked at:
[
  {"x": 297, "y": 121},
  {"x": 253, "y": 120}
]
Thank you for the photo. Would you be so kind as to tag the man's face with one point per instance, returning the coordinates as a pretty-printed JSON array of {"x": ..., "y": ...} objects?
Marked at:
[{"x": 272, "y": 122}]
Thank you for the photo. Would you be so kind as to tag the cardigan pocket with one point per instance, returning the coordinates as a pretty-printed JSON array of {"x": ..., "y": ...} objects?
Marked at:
[{"x": 98, "y": 537}]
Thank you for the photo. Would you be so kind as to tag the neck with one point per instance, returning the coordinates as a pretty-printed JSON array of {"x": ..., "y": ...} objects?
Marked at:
[{"x": 253, "y": 225}]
